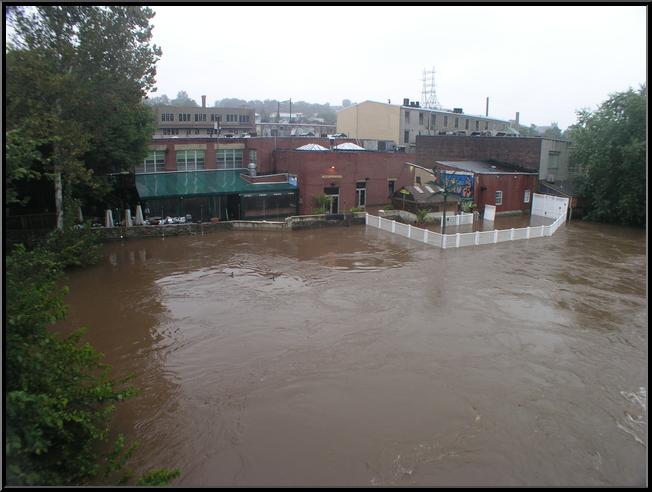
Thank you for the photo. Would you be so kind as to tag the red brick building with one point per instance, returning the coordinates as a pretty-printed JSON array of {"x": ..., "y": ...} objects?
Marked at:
[
  {"x": 353, "y": 179},
  {"x": 207, "y": 177},
  {"x": 508, "y": 188}
]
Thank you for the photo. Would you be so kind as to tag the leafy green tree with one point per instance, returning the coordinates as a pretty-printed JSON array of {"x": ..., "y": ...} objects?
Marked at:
[
  {"x": 553, "y": 131},
  {"x": 162, "y": 100},
  {"x": 59, "y": 396},
  {"x": 609, "y": 146},
  {"x": 183, "y": 99},
  {"x": 76, "y": 79}
]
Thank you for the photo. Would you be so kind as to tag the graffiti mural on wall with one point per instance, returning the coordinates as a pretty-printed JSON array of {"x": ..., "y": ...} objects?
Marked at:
[{"x": 462, "y": 184}]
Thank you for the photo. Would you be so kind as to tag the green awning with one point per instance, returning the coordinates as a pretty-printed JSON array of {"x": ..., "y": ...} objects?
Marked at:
[{"x": 201, "y": 183}]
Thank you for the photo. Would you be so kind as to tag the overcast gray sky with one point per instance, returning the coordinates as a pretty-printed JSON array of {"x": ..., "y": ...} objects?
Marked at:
[{"x": 543, "y": 61}]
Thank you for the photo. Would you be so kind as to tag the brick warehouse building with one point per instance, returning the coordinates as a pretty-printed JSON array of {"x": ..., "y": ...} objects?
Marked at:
[
  {"x": 352, "y": 179},
  {"x": 549, "y": 158},
  {"x": 507, "y": 187}
]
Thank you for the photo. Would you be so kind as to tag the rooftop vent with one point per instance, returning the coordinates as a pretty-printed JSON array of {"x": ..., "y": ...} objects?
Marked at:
[
  {"x": 458, "y": 110},
  {"x": 406, "y": 101}
]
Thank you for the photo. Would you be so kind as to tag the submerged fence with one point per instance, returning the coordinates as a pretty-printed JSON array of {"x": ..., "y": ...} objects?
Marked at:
[{"x": 462, "y": 239}]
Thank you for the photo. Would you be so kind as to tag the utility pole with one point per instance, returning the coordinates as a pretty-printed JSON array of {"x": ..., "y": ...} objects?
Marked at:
[{"x": 290, "y": 110}]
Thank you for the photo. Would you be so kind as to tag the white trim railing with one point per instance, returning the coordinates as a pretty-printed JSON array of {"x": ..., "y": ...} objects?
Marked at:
[{"x": 460, "y": 240}]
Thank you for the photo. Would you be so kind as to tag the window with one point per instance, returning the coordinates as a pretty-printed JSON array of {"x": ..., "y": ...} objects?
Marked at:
[
  {"x": 407, "y": 116},
  {"x": 391, "y": 186},
  {"x": 244, "y": 118},
  {"x": 486, "y": 125},
  {"x": 253, "y": 156},
  {"x": 406, "y": 136},
  {"x": 445, "y": 121},
  {"x": 167, "y": 117},
  {"x": 170, "y": 131},
  {"x": 477, "y": 125},
  {"x": 499, "y": 198},
  {"x": 360, "y": 193},
  {"x": 433, "y": 120},
  {"x": 190, "y": 160},
  {"x": 200, "y": 117},
  {"x": 457, "y": 122},
  {"x": 526, "y": 196},
  {"x": 229, "y": 158},
  {"x": 418, "y": 179},
  {"x": 466, "y": 124},
  {"x": 553, "y": 161},
  {"x": 153, "y": 163},
  {"x": 421, "y": 118}
]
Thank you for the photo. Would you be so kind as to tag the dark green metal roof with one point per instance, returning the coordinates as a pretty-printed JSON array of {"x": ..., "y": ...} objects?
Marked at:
[{"x": 200, "y": 183}]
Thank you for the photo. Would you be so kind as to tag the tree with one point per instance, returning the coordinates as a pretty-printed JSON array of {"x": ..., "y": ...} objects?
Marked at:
[
  {"x": 609, "y": 145},
  {"x": 183, "y": 99},
  {"x": 346, "y": 103},
  {"x": 162, "y": 100},
  {"x": 553, "y": 131},
  {"x": 76, "y": 79}
]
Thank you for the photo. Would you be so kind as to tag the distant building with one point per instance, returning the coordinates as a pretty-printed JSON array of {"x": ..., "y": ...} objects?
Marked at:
[
  {"x": 294, "y": 130},
  {"x": 191, "y": 121},
  {"x": 403, "y": 124}
]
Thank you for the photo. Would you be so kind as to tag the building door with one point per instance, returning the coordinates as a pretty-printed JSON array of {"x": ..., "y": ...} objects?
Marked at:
[
  {"x": 334, "y": 194},
  {"x": 360, "y": 194}
]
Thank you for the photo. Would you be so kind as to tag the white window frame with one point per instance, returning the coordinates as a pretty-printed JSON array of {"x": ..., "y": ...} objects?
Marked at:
[
  {"x": 360, "y": 194},
  {"x": 230, "y": 160},
  {"x": 526, "y": 196},
  {"x": 499, "y": 202},
  {"x": 190, "y": 161}
]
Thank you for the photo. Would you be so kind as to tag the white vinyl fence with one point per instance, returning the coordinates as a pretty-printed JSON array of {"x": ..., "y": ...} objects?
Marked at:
[
  {"x": 456, "y": 220},
  {"x": 467, "y": 239}
]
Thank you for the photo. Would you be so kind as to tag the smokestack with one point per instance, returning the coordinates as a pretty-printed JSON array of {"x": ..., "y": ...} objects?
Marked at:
[
  {"x": 203, "y": 101},
  {"x": 517, "y": 119},
  {"x": 487, "y": 111}
]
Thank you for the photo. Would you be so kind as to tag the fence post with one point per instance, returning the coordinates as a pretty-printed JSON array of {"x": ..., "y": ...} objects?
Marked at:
[
  {"x": 527, "y": 233},
  {"x": 425, "y": 235},
  {"x": 379, "y": 222},
  {"x": 477, "y": 238},
  {"x": 542, "y": 229},
  {"x": 366, "y": 218},
  {"x": 443, "y": 241},
  {"x": 457, "y": 240},
  {"x": 393, "y": 226},
  {"x": 410, "y": 231},
  {"x": 511, "y": 234},
  {"x": 495, "y": 235}
]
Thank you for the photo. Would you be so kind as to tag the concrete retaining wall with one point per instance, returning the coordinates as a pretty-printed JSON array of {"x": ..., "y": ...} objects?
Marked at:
[{"x": 291, "y": 223}]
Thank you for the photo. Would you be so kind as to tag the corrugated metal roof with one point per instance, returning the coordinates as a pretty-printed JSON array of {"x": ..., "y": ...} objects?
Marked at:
[{"x": 200, "y": 183}]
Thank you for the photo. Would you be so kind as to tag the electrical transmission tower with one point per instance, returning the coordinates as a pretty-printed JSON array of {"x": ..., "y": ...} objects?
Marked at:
[{"x": 429, "y": 95}]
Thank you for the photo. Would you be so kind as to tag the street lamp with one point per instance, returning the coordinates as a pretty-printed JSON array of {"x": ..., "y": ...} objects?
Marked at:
[{"x": 442, "y": 178}]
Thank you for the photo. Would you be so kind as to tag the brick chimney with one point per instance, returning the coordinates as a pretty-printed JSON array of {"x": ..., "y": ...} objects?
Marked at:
[{"x": 203, "y": 101}]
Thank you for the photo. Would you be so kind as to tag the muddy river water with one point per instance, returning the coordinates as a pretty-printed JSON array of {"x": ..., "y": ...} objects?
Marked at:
[{"x": 348, "y": 356}]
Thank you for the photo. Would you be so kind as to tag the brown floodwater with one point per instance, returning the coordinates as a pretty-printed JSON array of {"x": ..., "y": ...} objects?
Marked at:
[{"x": 349, "y": 356}]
